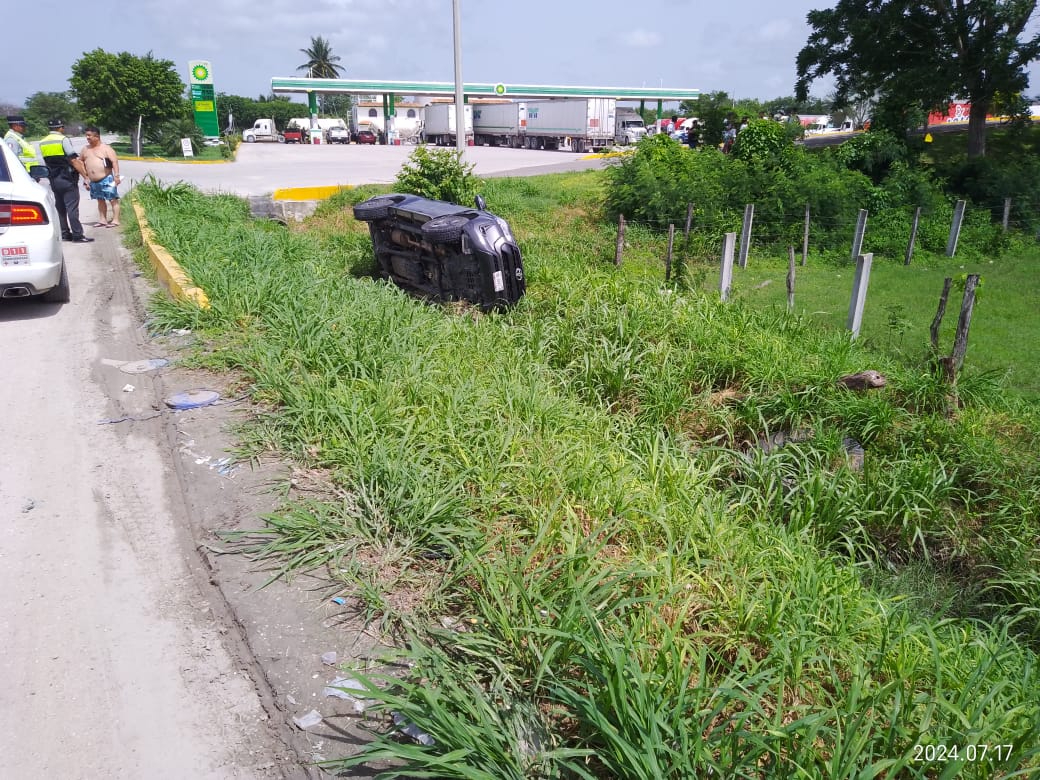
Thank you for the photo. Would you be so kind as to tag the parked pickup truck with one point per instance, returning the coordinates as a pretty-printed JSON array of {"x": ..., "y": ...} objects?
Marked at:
[
  {"x": 294, "y": 134},
  {"x": 337, "y": 135}
]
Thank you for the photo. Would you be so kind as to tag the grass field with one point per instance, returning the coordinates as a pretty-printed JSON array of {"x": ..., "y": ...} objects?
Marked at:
[
  {"x": 618, "y": 530},
  {"x": 902, "y": 300}
]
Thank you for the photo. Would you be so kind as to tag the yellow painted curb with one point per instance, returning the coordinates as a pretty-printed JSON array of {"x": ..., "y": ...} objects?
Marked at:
[
  {"x": 168, "y": 270},
  {"x": 309, "y": 193}
]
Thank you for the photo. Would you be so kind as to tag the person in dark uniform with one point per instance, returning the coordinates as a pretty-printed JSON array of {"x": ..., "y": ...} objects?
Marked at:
[{"x": 65, "y": 168}]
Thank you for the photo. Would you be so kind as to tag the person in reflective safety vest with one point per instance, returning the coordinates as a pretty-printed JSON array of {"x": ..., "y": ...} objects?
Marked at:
[
  {"x": 65, "y": 168},
  {"x": 15, "y": 139}
]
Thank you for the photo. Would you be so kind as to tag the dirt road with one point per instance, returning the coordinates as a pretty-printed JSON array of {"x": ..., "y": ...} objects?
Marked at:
[{"x": 118, "y": 660}]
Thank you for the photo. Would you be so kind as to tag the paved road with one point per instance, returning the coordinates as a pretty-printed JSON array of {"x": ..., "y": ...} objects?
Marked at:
[
  {"x": 262, "y": 168},
  {"x": 116, "y": 662}
]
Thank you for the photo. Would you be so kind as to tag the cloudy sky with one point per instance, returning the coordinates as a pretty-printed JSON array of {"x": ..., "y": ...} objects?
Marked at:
[{"x": 744, "y": 47}]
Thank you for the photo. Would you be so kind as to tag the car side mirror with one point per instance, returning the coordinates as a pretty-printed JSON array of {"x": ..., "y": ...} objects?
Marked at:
[
  {"x": 39, "y": 172},
  {"x": 481, "y": 203}
]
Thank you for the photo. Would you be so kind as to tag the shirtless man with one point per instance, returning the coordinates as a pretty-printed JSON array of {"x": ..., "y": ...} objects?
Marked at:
[{"x": 102, "y": 176}]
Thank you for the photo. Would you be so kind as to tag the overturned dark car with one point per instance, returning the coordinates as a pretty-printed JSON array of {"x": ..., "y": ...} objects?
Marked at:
[{"x": 445, "y": 252}]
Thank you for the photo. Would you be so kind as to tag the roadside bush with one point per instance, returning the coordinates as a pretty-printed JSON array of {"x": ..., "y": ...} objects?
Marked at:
[
  {"x": 439, "y": 174},
  {"x": 169, "y": 134},
  {"x": 229, "y": 145},
  {"x": 872, "y": 153},
  {"x": 764, "y": 142},
  {"x": 987, "y": 181}
]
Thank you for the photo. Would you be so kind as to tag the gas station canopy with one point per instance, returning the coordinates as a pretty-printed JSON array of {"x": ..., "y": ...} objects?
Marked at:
[{"x": 363, "y": 87}]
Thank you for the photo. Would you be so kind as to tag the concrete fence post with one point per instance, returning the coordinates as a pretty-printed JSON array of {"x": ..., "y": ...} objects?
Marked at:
[
  {"x": 955, "y": 228},
  {"x": 726, "y": 277},
  {"x": 859, "y": 293},
  {"x": 857, "y": 238},
  {"x": 745, "y": 234}
]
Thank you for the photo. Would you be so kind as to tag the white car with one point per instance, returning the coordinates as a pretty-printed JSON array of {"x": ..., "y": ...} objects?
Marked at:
[{"x": 31, "y": 258}]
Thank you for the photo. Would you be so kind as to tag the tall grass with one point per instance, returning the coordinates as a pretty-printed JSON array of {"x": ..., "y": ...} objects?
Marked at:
[{"x": 635, "y": 586}]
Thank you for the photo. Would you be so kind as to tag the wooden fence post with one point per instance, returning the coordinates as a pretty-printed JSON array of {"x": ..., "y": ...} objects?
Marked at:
[
  {"x": 857, "y": 238},
  {"x": 940, "y": 313},
  {"x": 619, "y": 248},
  {"x": 745, "y": 234},
  {"x": 913, "y": 236},
  {"x": 859, "y": 293},
  {"x": 960, "y": 340},
  {"x": 955, "y": 228},
  {"x": 689, "y": 221},
  {"x": 726, "y": 277},
  {"x": 805, "y": 236},
  {"x": 1007, "y": 214},
  {"x": 790, "y": 278},
  {"x": 668, "y": 257}
]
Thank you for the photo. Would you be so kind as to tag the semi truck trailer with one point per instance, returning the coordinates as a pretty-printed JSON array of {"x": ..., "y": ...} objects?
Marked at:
[
  {"x": 577, "y": 125},
  {"x": 500, "y": 124},
  {"x": 439, "y": 123}
]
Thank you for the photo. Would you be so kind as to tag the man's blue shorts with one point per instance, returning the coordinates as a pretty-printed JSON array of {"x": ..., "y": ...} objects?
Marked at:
[{"x": 104, "y": 189}]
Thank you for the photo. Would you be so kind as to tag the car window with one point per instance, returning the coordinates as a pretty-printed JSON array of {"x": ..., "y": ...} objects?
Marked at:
[{"x": 5, "y": 172}]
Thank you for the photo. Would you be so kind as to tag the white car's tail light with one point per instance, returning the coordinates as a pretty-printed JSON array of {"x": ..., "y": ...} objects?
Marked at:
[{"x": 22, "y": 214}]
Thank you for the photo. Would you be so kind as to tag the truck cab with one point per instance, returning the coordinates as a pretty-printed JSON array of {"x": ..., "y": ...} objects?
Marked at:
[
  {"x": 262, "y": 130},
  {"x": 629, "y": 127}
]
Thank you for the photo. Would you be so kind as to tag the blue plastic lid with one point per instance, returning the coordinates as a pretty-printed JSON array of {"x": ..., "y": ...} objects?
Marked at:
[
  {"x": 142, "y": 366},
  {"x": 192, "y": 399}
]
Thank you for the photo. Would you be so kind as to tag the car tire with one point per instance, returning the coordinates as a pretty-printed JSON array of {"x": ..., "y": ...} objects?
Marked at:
[
  {"x": 61, "y": 293},
  {"x": 446, "y": 228},
  {"x": 374, "y": 208},
  {"x": 249, "y": 139}
]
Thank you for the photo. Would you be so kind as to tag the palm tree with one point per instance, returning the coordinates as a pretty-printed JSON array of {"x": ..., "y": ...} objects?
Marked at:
[{"x": 321, "y": 62}]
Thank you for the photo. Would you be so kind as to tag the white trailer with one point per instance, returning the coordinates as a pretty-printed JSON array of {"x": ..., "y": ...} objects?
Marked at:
[
  {"x": 500, "y": 124},
  {"x": 578, "y": 125},
  {"x": 439, "y": 123}
]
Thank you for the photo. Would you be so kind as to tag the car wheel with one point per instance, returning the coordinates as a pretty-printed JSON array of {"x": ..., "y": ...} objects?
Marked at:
[
  {"x": 374, "y": 208},
  {"x": 446, "y": 228},
  {"x": 249, "y": 139},
  {"x": 61, "y": 293}
]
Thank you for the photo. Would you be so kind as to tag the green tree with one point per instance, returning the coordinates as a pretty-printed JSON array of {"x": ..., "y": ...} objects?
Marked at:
[
  {"x": 917, "y": 54},
  {"x": 43, "y": 106},
  {"x": 712, "y": 108},
  {"x": 117, "y": 91},
  {"x": 337, "y": 104}
]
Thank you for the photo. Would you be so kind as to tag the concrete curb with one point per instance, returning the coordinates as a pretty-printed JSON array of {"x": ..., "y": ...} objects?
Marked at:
[{"x": 169, "y": 272}]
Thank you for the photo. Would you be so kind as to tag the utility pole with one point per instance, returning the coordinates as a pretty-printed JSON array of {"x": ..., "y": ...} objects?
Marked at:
[{"x": 460, "y": 107}]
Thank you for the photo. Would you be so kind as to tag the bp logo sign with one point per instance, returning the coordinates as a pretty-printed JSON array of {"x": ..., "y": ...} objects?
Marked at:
[
  {"x": 500, "y": 89},
  {"x": 200, "y": 72}
]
